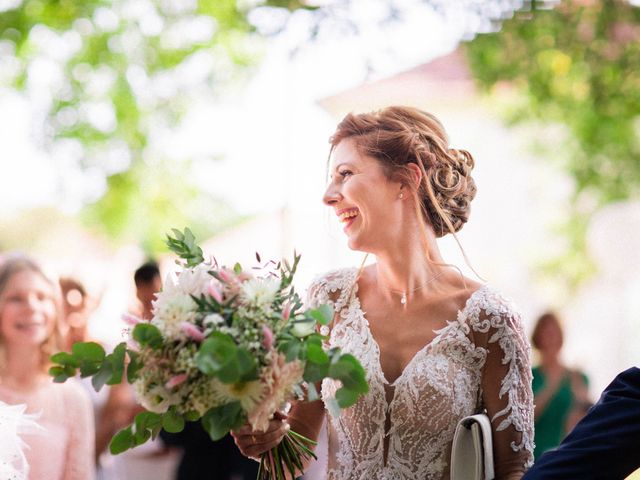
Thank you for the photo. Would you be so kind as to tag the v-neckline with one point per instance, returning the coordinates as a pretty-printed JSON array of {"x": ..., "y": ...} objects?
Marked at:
[{"x": 449, "y": 324}]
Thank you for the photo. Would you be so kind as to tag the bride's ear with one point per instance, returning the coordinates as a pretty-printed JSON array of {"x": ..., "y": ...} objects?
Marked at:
[{"x": 415, "y": 175}]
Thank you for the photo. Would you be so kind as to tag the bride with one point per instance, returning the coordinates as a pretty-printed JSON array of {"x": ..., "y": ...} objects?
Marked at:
[{"x": 436, "y": 346}]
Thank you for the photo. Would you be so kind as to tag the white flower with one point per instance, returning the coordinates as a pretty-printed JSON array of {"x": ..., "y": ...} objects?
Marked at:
[
  {"x": 211, "y": 322},
  {"x": 260, "y": 292},
  {"x": 195, "y": 281},
  {"x": 247, "y": 393},
  {"x": 157, "y": 399},
  {"x": 170, "y": 312}
]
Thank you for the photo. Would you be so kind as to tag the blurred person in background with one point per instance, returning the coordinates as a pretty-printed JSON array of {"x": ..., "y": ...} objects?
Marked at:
[
  {"x": 148, "y": 282},
  {"x": 153, "y": 460},
  {"x": 560, "y": 394},
  {"x": 30, "y": 316},
  {"x": 198, "y": 450},
  {"x": 77, "y": 307},
  {"x": 112, "y": 405}
]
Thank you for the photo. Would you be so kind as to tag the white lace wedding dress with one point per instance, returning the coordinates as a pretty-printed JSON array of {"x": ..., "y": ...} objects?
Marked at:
[{"x": 480, "y": 360}]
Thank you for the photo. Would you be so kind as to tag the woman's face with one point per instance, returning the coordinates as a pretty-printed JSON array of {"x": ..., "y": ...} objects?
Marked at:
[
  {"x": 364, "y": 199},
  {"x": 549, "y": 337},
  {"x": 27, "y": 310}
]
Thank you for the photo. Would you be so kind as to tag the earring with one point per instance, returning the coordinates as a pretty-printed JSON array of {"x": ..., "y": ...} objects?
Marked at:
[{"x": 401, "y": 196}]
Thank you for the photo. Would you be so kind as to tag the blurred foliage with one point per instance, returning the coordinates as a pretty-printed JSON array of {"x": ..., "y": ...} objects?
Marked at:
[
  {"x": 576, "y": 65},
  {"x": 107, "y": 74}
]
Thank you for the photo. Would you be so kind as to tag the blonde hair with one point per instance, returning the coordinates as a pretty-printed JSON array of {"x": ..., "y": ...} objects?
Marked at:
[{"x": 11, "y": 266}]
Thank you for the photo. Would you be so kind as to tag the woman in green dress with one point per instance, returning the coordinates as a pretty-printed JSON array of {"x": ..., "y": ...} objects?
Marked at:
[{"x": 560, "y": 394}]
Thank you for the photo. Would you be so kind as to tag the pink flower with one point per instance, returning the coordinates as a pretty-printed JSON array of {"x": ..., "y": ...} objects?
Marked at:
[
  {"x": 192, "y": 331},
  {"x": 267, "y": 341},
  {"x": 279, "y": 378},
  {"x": 215, "y": 292},
  {"x": 175, "y": 381},
  {"x": 226, "y": 275},
  {"x": 286, "y": 312},
  {"x": 130, "y": 319},
  {"x": 244, "y": 276}
]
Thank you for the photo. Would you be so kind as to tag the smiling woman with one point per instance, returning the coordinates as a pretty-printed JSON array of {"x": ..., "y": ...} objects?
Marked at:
[
  {"x": 29, "y": 315},
  {"x": 436, "y": 346}
]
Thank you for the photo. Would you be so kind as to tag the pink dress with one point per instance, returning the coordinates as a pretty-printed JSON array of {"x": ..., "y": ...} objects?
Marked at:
[{"x": 64, "y": 450}]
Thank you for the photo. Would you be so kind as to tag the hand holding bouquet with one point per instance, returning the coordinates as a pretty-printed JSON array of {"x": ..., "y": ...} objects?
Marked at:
[{"x": 225, "y": 347}]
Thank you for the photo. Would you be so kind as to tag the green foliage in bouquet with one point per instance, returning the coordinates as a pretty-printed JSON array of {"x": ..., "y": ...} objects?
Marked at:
[{"x": 226, "y": 348}]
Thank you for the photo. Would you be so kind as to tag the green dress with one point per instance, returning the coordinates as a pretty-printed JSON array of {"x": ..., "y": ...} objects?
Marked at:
[{"x": 550, "y": 425}]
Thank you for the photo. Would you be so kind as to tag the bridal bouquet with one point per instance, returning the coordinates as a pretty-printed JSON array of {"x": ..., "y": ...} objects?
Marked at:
[{"x": 225, "y": 346}]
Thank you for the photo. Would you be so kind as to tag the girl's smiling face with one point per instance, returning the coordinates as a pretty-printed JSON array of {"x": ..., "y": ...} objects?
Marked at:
[{"x": 28, "y": 310}]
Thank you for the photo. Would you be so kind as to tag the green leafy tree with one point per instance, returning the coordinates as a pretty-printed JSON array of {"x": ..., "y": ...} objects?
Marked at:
[
  {"x": 108, "y": 73},
  {"x": 575, "y": 66}
]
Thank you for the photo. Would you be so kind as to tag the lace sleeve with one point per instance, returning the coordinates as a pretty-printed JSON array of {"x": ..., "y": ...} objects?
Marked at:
[
  {"x": 506, "y": 382},
  {"x": 333, "y": 288}
]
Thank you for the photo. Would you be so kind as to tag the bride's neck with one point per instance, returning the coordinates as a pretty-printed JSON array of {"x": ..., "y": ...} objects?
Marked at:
[{"x": 408, "y": 265}]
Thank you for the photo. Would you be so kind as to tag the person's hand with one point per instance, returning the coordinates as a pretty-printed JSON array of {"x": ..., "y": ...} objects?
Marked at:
[{"x": 253, "y": 443}]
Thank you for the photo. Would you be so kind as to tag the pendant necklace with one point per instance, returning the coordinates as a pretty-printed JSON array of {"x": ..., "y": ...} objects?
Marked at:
[{"x": 403, "y": 293}]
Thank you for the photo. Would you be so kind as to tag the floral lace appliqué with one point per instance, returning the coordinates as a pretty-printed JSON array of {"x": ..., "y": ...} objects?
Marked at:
[{"x": 439, "y": 386}]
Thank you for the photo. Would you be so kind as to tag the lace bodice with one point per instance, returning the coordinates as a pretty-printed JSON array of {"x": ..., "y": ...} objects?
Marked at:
[{"x": 480, "y": 360}]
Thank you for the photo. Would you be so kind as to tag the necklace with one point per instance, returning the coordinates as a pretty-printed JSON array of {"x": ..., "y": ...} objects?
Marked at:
[{"x": 403, "y": 293}]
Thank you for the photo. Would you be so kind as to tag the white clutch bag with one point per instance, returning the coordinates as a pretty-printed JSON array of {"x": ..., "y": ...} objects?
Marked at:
[{"x": 472, "y": 449}]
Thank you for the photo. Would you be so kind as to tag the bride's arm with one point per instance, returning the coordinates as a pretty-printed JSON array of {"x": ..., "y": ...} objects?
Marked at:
[{"x": 506, "y": 389}]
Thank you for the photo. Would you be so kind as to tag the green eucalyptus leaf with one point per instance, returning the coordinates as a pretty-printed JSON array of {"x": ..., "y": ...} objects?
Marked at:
[
  {"x": 315, "y": 372},
  {"x": 220, "y": 420},
  {"x": 346, "y": 397},
  {"x": 172, "y": 421},
  {"x": 141, "y": 436},
  {"x": 323, "y": 314},
  {"x": 218, "y": 357},
  {"x": 192, "y": 416},
  {"x": 147, "y": 335},
  {"x": 348, "y": 370},
  {"x": 316, "y": 354},
  {"x": 65, "y": 358},
  {"x": 59, "y": 374},
  {"x": 102, "y": 376},
  {"x": 122, "y": 441},
  {"x": 88, "y": 351},
  {"x": 117, "y": 359},
  {"x": 134, "y": 366},
  {"x": 147, "y": 420}
]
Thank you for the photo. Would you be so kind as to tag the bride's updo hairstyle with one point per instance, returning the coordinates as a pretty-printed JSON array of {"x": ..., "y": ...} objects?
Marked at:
[{"x": 398, "y": 136}]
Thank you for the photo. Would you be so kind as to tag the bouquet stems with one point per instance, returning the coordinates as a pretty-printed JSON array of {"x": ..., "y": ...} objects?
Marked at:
[{"x": 287, "y": 457}]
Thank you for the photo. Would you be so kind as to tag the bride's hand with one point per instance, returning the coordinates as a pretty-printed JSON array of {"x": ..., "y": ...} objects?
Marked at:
[{"x": 252, "y": 443}]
